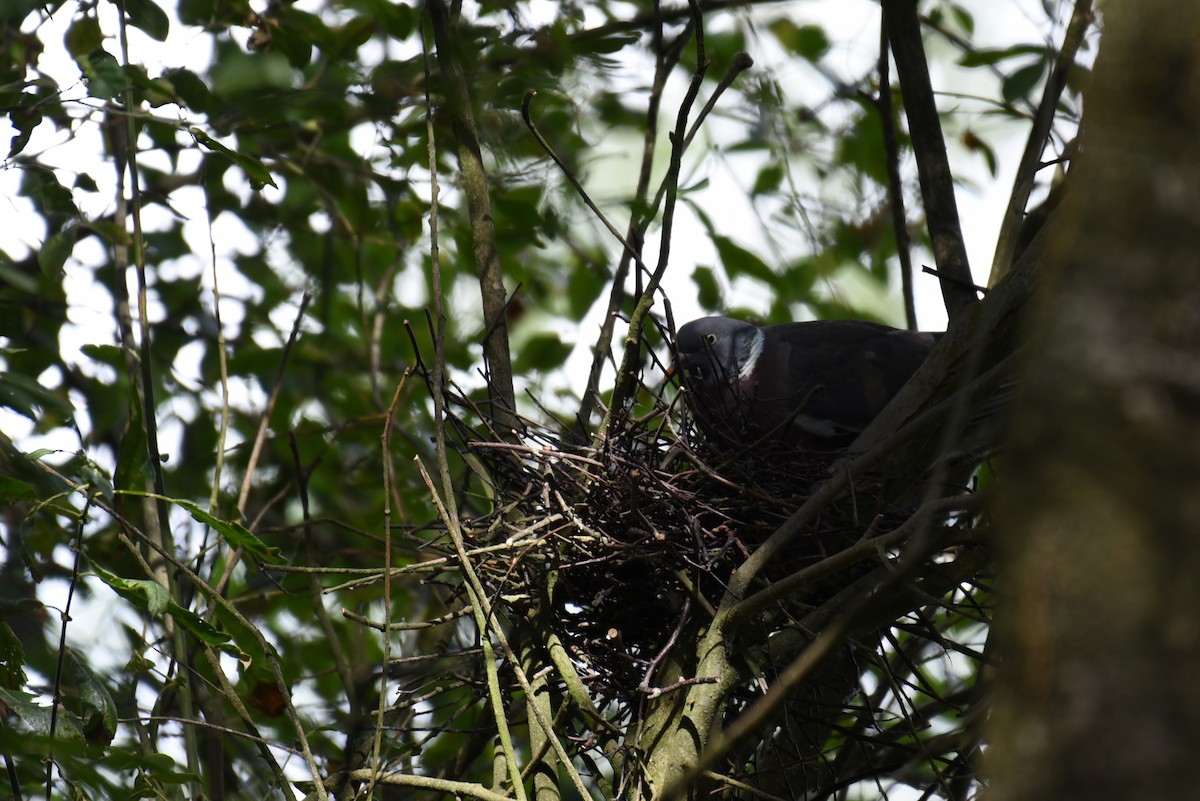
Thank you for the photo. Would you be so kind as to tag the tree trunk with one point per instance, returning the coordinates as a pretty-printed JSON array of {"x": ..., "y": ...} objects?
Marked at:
[{"x": 1100, "y": 509}]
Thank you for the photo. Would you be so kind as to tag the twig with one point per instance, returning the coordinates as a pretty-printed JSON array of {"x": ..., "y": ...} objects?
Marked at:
[
  {"x": 741, "y": 62},
  {"x": 234, "y": 613},
  {"x": 630, "y": 250},
  {"x": 623, "y": 391},
  {"x": 864, "y": 549},
  {"x": 891, "y": 147},
  {"x": 1010, "y": 226},
  {"x": 444, "y": 787},
  {"x": 644, "y": 686},
  {"x": 665, "y": 61},
  {"x": 61, "y": 656},
  {"x": 178, "y": 592},
  {"x": 539, "y": 453},
  {"x": 449, "y": 617},
  {"x": 965, "y": 285},
  {"x": 265, "y": 418}
]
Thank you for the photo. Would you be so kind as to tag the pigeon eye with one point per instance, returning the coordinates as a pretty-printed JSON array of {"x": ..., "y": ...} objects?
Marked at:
[{"x": 710, "y": 339}]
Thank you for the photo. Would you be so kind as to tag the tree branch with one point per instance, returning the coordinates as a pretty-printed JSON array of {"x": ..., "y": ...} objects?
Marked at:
[
  {"x": 1031, "y": 159},
  {"x": 937, "y": 183},
  {"x": 483, "y": 233}
]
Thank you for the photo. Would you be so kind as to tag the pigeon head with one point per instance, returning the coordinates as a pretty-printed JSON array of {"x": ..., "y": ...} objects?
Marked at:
[
  {"x": 716, "y": 357},
  {"x": 715, "y": 353}
]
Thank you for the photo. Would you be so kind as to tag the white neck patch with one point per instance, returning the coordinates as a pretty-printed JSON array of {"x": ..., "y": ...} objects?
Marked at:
[{"x": 753, "y": 349}]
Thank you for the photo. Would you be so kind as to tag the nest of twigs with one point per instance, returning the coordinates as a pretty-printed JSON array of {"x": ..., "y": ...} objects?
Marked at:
[
  {"x": 640, "y": 536},
  {"x": 623, "y": 551}
]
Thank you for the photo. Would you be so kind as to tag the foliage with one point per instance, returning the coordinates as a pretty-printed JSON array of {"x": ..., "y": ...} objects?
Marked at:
[{"x": 234, "y": 447}]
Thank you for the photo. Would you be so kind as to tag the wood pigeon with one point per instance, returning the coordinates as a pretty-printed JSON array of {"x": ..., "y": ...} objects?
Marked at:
[{"x": 811, "y": 385}]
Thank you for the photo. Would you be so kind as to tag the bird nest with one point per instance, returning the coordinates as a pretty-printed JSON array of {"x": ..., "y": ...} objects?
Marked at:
[{"x": 636, "y": 539}]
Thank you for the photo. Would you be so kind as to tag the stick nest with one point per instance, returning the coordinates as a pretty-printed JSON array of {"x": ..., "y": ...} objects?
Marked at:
[{"x": 633, "y": 541}]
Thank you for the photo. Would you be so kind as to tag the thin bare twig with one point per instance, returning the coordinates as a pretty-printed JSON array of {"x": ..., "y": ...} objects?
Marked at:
[
  {"x": 264, "y": 419},
  {"x": 645, "y": 687},
  {"x": 630, "y": 250},
  {"x": 61, "y": 656},
  {"x": 1031, "y": 158},
  {"x": 181, "y": 652},
  {"x": 665, "y": 61},
  {"x": 741, "y": 62},
  {"x": 626, "y": 373},
  {"x": 891, "y": 147}
]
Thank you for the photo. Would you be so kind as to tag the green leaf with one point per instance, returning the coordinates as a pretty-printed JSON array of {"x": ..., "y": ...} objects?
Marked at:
[
  {"x": 110, "y": 231},
  {"x": 161, "y": 767},
  {"x": 105, "y": 354},
  {"x": 37, "y": 717},
  {"x": 738, "y": 261},
  {"x": 155, "y": 91},
  {"x": 144, "y": 593},
  {"x": 190, "y": 88},
  {"x": 259, "y": 175},
  {"x": 195, "y": 625},
  {"x": 399, "y": 19},
  {"x": 10, "y": 607},
  {"x": 986, "y": 57},
  {"x": 54, "y": 200},
  {"x": 354, "y": 33},
  {"x": 83, "y": 36},
  {"x": 810, "y": 42},
  {"x": 13, "y": 490},
  {"x": 709, "y": 289},
  {"x": 768, "y": 179},
  {"x": 1019, "y": 84},
  {"x": 19, "y": 280},
  {"x": 152, "y": 597},
  {"x": 12, "y": 659},
  {"x": 964, "y": 19},
  {"x": 583, "y": 289},
  {"x": 55, "y": 250},
  {"x": 25, "y": 396},
  {"x": 100, "y": 712},
  {"x": 544, "y": 351},
  {"x": 862, "y": 148},
  {"x": 96, "y": 479},
  {"x": 103, "y": 73},
  {"x": 294, "y": 42},
  {"x": 233, "y": 532},
  {"x": 16, "y": 10},
  {"x": 24, "y": 120},
  {"x": 146, "y": 14},
  {"x": 602, "y": 41}
]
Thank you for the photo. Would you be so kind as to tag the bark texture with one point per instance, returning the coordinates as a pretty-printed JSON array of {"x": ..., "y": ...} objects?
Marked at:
[{"x": 1100, "y": 508}]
